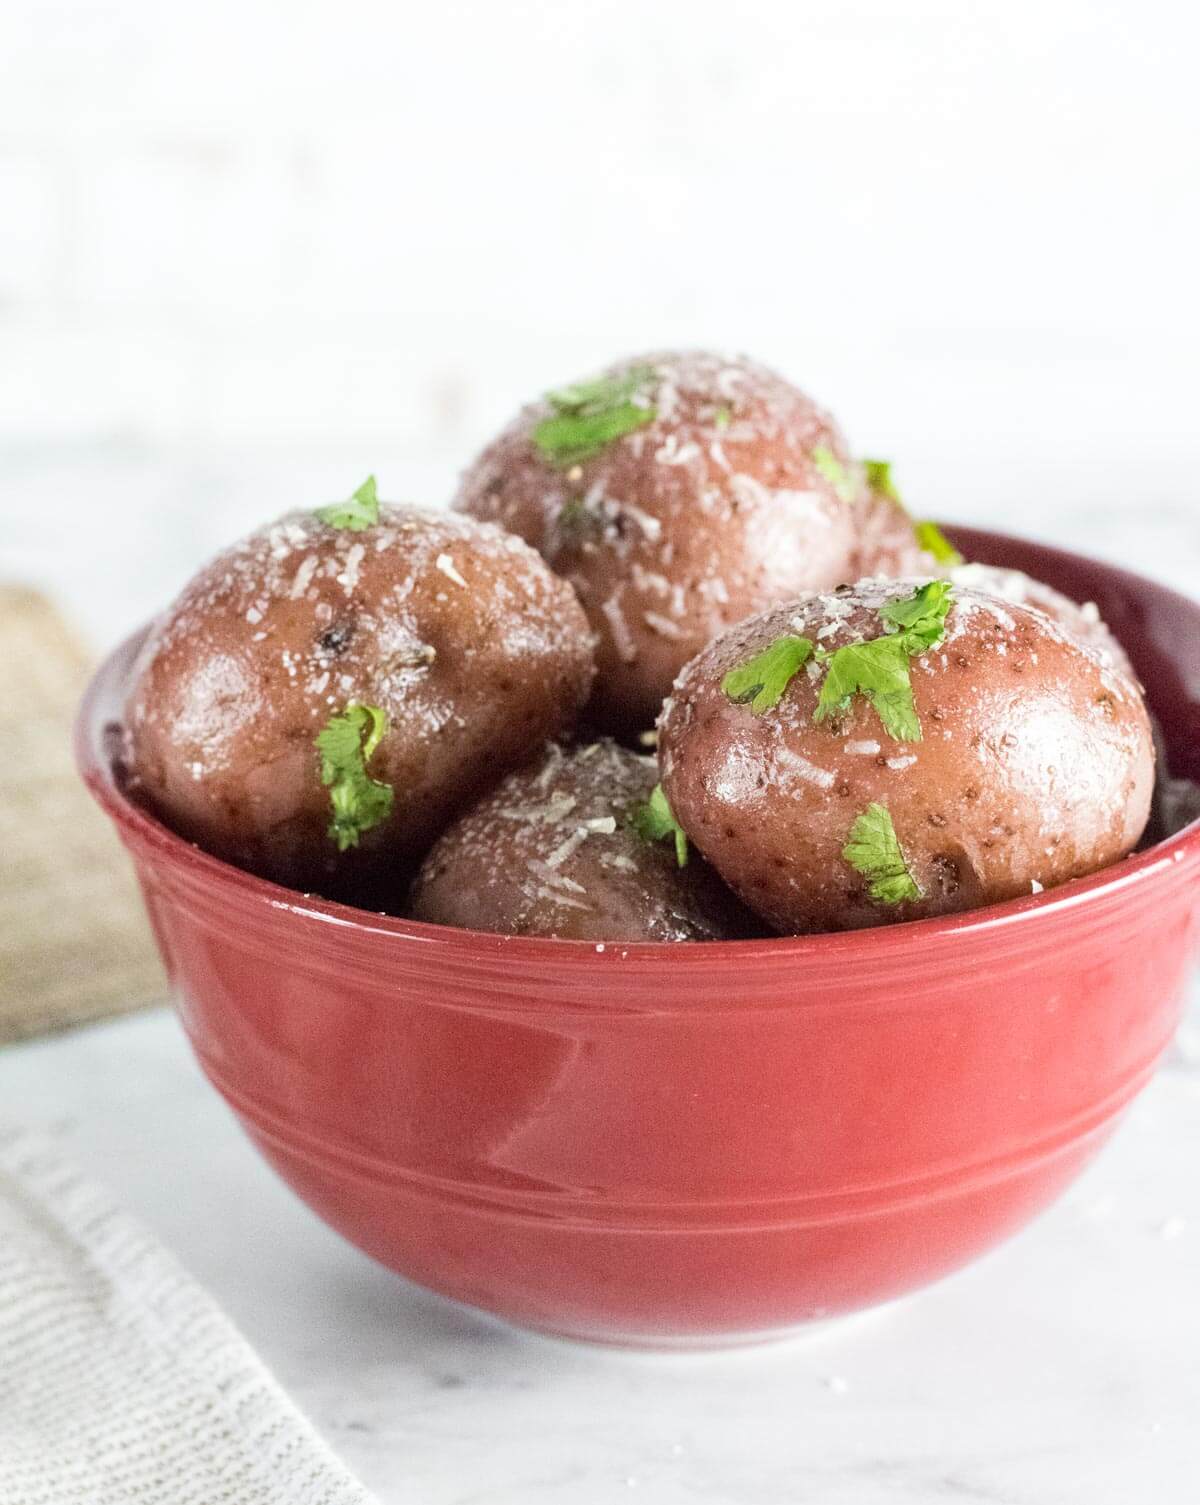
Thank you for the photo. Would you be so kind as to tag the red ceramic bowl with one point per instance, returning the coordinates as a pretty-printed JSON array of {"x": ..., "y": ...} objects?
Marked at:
[{"x": 658, "y": 1144}]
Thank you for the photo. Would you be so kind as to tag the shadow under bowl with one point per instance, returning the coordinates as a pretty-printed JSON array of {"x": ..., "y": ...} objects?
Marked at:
[{"x": 670, "y": 1144}]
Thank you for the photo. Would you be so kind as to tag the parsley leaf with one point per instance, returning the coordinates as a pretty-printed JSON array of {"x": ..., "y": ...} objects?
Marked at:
[
  {"x": 874, "y": 850},
  {"x": 921, "y": 617},
  {"x": 654, "y": 819},
  {"x": 590, "y": 415},
  {"x": 359, "y": 512},
  {"x": 879, "y": 669},
  {"x": 879, "y": 479},
  {"x": 763, "y": 679},
  {"x": 722, "y": 418},
  {"x": 834, "y": 472},
  {"x": 359, "y": 801},
  {"x": 931, "y": 538}
]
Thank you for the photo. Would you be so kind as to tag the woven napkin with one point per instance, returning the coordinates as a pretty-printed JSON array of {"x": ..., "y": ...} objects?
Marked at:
[
  {"x": 74, "y": 943},
  {"x": 121, "y": 1383}
]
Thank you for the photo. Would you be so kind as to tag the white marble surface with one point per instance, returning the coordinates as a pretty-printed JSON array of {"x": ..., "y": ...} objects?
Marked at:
[{"x": 1064, "y": 1369}]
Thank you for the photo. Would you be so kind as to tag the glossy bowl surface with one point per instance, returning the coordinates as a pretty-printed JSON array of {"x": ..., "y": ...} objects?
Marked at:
[{"x": 658, "y": 1144}]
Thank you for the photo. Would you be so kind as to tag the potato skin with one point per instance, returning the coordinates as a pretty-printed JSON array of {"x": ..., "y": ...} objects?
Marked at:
[
  {"x": 1036, "y": 764},
  {"x": 885, "y": 542},
  {"x": 1082, "y": 621},
  {"x": 475, "y": 650},
  {"x": 525, "y": 861},
  {"x": 673, "y": 532}
]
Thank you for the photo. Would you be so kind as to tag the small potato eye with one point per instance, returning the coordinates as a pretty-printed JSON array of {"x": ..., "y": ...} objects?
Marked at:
[{"x": 336, "y": 639}]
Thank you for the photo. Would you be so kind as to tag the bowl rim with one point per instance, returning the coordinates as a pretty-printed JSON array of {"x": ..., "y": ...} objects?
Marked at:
[{"x": 138, "y": 825}]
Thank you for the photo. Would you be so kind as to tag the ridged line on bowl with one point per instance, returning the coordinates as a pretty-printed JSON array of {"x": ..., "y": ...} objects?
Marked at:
[{"x": 568, "y": 1207}]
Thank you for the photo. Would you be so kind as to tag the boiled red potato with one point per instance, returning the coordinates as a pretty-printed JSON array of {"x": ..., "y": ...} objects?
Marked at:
[
  {"x": 324, "y": 695},
  {"x": 891, "y": 751},
  {"x": 679, "y": 493},
  {"x": 578, "y": 846}
]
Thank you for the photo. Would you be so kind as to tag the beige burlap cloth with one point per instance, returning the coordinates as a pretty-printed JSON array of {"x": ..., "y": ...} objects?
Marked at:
[{"x": 74, "y": 943}]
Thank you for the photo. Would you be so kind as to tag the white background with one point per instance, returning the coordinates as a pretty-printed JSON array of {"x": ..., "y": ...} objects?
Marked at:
[{"x": 251, "y": 250}]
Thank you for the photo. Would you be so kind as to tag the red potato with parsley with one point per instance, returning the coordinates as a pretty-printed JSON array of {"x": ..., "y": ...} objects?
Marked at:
[
  {"x": 326, "y": 694},
  {"x": 578, "y": 846},
  {"x": 896, "y": 750},
  {"x": 679, "y": 493}
]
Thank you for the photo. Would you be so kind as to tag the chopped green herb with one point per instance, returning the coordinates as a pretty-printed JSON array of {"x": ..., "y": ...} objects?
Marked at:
[
  {"x": 653, "y": 820},
  {"x": 934, "y": 541},
  {"x": 879, "y": 669},
  {"x": 569, "y": 439},
  {"x": 834, "y": 472},
  {"x": 763, "y": 679},
  {"x": 921, "y": 618},
  {"x": 359, "y": 801},
  {"x": 879, "y": 479},
  {"x": 590, "y": 415},
  {"x": 874, "y": 850},
  {"x": 722, "y": 418},
  {"x": 359, "y": 512}
]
